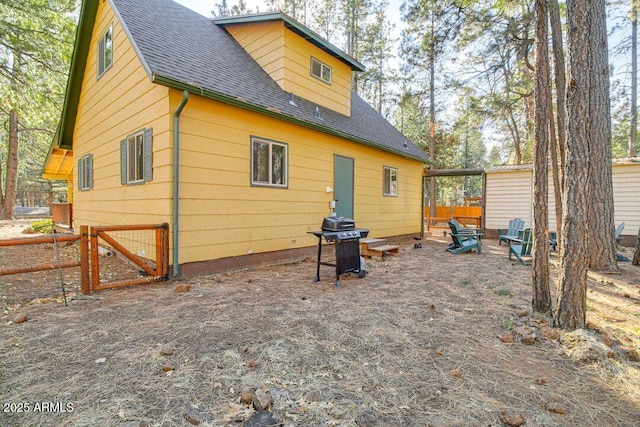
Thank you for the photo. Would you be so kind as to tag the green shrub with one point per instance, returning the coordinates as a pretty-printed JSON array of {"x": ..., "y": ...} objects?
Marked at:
[
  {"x": 44, "y": 226},
  {"x": 505, "y": 292}
]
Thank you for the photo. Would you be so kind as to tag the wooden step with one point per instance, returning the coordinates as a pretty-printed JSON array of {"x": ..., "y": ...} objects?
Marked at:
[
  {"x": 372, "y": 243},
  {"x": 379, "y": 251},
  {"x": 390, "y": 249}
]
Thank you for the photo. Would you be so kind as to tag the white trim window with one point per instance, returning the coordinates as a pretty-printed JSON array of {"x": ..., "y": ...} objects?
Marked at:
[
  {"x": 85, "y": 172},
  {"x": 320, "y": 70},
  {"x": 105, "y": 51},
  {"x": 269, "y": 163},
  {"x": 136, "y": 157},
  {"x": 390, "y": 181}
]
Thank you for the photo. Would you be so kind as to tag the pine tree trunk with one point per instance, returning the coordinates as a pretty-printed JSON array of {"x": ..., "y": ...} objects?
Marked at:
[
  {"x": 8, "y": 202},
  {"x": 432, "y": 120},
  {"x": 540, "y": 272},
  {"x": 50, "y": 195},
  {"x": 601, "y": 242},
  {"x": 558, "y": 151},
  {"x": 512, "y": 123},
  {"x": 633, "y": 142},
  {"x": 571, "y": 305},
  {"x": 11, "y": 177}
]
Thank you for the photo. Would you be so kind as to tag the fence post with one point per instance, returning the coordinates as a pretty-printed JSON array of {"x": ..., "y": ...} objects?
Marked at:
[
  {"x": 95, "y": 268},
  {"x": 159, "y": 258},
  {"x": 165, "y": 250},
  {"x": 84, "y": 260}
]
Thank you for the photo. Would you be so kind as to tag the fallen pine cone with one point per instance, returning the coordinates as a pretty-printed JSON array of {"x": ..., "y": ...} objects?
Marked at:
[
  {"x": 20, "y": 318},
  {"x": 555, "y": 408},
  {"x": 511, "y": 419},
  {"x": 507, "y": 338},
  {"x": 182, "y": 287}
]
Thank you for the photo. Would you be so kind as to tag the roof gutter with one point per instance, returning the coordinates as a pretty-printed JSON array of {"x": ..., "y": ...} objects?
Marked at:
[
  {"x": 166, "y": 81},
  {"x": 176, "y": 182}
]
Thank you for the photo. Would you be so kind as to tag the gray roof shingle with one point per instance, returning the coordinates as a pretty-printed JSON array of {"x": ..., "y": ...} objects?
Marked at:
[{"x": 180, "y": 46}]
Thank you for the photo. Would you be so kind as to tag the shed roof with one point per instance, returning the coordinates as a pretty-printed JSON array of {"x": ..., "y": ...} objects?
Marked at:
[{"x": 528, "y": 166}]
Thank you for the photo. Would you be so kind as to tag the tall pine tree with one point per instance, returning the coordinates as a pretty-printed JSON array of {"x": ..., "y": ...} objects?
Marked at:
[{"x": 36, "y": 41}]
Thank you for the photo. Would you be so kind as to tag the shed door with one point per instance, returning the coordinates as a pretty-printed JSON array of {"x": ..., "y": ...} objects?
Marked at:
[{"x": 343, "y": 185}]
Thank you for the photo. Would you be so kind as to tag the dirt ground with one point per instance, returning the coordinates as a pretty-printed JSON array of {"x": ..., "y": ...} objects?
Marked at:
[{"x": 425, "y": 339}]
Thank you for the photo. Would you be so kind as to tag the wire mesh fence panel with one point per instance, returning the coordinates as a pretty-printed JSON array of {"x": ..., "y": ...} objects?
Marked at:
[
  {"x": 35, "y": 269},
  {"x": 128, "y": 255}
]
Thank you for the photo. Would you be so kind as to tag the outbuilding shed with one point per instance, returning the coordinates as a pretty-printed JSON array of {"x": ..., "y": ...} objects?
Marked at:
[{"x": 509, "y": 195}]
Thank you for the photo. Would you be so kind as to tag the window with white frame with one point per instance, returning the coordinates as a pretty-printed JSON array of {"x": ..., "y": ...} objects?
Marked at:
[
  {"x": 390, "y": 181},
  {"x": 136, "y": 156},
  {"x": 320, "y": 70},
  {"x": 85, "y": 172},
  {"x": 105, "y": 51},
  {"x": 269, "y": 162}
]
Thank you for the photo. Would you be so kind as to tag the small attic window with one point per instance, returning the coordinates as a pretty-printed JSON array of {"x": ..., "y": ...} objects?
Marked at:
[
  {"x": 105, "y": 51},
  {"x": 320, "y": 70}
]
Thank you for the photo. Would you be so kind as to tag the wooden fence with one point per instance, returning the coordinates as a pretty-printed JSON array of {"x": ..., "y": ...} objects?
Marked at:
[
  {"x": 470, "y": 216},
  {"x": 152, "y": 270},
  {"x": 54, "y": 238},
  {"x": 89, "y": 262}
]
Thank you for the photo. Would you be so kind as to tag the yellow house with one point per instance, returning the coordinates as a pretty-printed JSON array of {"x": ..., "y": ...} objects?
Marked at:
[{"x": 238, "y": 132}]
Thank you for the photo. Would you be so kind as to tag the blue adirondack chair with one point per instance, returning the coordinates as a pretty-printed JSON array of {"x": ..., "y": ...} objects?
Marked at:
[
  {"x": 521, "y": 246},
  {"x": 515, "y": 225},
  {"x": 461, "y": 230},
  {"x": 619, "y": 229},
  {"x": 464, "y": 239},
  {"x": 553, "y": 241}
]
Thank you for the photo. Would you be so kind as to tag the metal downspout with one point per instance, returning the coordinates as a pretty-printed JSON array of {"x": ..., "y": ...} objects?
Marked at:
[{"x": 176, "y": 181}]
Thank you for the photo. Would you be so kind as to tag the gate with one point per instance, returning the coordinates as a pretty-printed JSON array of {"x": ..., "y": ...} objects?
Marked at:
[{"x": 132, "y": 242}]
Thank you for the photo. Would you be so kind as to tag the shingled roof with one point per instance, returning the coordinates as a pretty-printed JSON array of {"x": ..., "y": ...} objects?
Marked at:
[{"x": 181, "y": 49}]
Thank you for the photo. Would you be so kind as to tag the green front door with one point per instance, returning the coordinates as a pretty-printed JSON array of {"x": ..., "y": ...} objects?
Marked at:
[{"x": 343, "y": 185}]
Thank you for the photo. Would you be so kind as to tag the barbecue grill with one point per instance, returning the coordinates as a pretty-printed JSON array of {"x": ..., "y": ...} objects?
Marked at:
[{"x": 343, "y": 233}]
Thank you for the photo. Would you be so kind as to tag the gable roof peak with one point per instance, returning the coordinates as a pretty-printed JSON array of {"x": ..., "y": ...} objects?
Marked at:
[{"x": 298, "y": 28}]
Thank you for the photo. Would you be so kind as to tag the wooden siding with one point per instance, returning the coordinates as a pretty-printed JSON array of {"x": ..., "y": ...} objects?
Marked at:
[
  {"x": 286, "y": 57},
  {"x": 223, "y": 215},
  {"x": 298, "y": 80},
  {"x": 122, "y": 101},
  {"x": 508, "y": 196},
  {"x": 626, "y": 197},
  {"x": 264, "y": 41}
]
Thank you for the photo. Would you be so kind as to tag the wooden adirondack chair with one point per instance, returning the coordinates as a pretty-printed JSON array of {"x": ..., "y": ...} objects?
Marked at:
[
  {"x": 515, "y": 225},
  {"x": 464, "y": 240},
  {"x": 521, "y": 247}
]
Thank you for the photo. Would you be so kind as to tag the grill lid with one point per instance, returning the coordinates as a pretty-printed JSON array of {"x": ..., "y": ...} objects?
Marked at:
[{"x": 338, "y": 223}]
